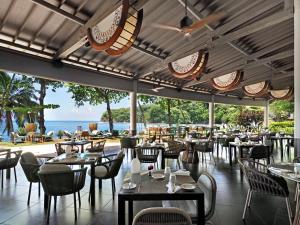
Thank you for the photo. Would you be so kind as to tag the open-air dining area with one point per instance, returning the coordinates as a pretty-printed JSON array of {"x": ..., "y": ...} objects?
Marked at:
[{"x": 150, "y": 112}]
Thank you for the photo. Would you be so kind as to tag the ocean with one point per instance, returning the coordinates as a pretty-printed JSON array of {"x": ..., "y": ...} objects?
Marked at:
[{"x": 72, "y": 125}]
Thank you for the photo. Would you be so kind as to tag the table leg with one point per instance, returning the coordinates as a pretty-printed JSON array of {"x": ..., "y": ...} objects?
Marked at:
[
  {"x": 241, "y": 156},
  {"x": 162, "y": 160},
  {"x": 230, "y": 155},
  {"x": 269, "y": 155},
  {"x": 200, "y": 211},
  {"x": 82, "y": 149},
  {"x": 217, "y": 148},
  {"x": 121, "y": 211},
  {"x": 93, "y": 185},
  {"x": 281, "y": 148},
  {"x": 130, "y": 212},
  {"x": 8, "y": 170}
]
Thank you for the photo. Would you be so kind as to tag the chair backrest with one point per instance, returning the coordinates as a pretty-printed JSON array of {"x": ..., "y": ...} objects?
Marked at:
[
  {"x": 162, "y": 216},
  {"x": 225, "y": 142},
  {"x": 175, "y": 147},
  {"x": 207, "y": 146},
  {"x": 67, "y": 134},
  {"x": 208, "y": 185},
  {"x": 262, "y": 182},
  {"x": 11, "y": 158},
  {"x": 147, "y": 154},
  {"x": 60, "y": 179},
  {"x": 116, "y": 165},
  {"x": 258, "y": 152},
  {"x": 98, "y": 147},
  {"x": 127, "y": 142},
  {"x": 30, "y": 166}
]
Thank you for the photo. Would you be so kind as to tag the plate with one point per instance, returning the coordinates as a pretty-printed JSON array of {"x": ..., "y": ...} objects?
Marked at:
[
  {"x": 158, "y": 176},
  {"x": 188, "y": 187},
  {"x": 129, "y": 186}
]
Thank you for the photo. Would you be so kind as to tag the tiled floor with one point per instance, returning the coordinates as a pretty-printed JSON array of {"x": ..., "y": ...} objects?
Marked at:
[{"x": 231, "y": 195}]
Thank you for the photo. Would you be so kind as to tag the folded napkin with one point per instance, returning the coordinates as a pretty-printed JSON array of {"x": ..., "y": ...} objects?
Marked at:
[{"x": 182, "y": 172}]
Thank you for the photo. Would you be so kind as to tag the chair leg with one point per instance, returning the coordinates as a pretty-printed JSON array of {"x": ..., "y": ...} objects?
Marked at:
[
  {"x": 178, "y": 162},
  {"x": 15, "y": 174},
  {"x": 29, "y": 193},
  {"x": 246, "y": 204},
  {"x": 49, "y": 208},
  {"x": 250, "y": 197},
  {"x": 79, "y": 199},
  {"x": 2, "y": 172},
  {"x": 212, "y": 155},
  {"x": 100, "y": 183},
  {"x": 296, "y": 192},
  {"x": 112, "y": 188},
  {"x": 75, "y": 207},
  {"x": 288, "y": 205}
]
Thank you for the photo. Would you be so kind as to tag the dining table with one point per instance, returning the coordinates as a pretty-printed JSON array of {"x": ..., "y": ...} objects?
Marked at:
[
  {"x": 151, "y": 189},
  {"x": 78, "y": 159},
  {"x": 80, "y": 143},
  {"x": 286, "y": 170}
]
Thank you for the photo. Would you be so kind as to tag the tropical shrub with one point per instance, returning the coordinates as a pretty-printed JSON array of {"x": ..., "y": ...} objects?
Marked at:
[
  {"x": 60, "y": 133},
  {"x": 285, "y": 127},
  {"x": 22, "y": 131}
]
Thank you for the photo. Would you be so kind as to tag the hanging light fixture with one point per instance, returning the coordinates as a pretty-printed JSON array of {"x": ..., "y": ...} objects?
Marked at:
[
  {"x": 189, "y": 67},
  {"x": 117, "y": 32},
  {"x": 282, "y": 94},
  {"x": 228, "y": 81},
  {"x": 257, "y": 89}
]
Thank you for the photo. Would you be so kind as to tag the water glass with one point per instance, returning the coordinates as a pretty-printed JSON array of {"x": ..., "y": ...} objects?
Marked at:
[
  {"x": 167, "y": 173},
  {"x": 297, "y": 168},
  {"x": 172, "y": 178}
]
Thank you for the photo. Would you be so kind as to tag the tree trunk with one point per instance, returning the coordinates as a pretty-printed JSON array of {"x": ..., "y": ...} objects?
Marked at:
[
  {"x": 169, "y": 112},
  {"x": 9, "y": 122},
  {"x": 41, "y": 118},
  {"x": 110, "y": 117},
  {"x": 142, "y": 114}
]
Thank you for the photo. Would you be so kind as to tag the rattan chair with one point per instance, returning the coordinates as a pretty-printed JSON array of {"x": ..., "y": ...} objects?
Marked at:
[
  {"x": 60, "y": 150},
  {"x": 162, "y": 216},
  {"x": 208, "y": 185},
  {"x": 173, "y": 151},
  {"x": 261, "y": 182},
  {"x": 59, "y": 180},
  {"x": 108, "y": 169},
  {"x": 9, "y": 160},
  {"x": 147, "y": 154},
  {"x": 31, "y": 166},
  {"x": 225, "y": 144},
  {"x": 206, "y": 148},
  {"x": 97, "y": 147},
  {"x": 128, "y": 143},
  {"x": 259, "y": 152}
]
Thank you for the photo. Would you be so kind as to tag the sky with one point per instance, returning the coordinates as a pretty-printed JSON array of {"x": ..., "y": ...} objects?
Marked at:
[{"x": 68, "y": 110}]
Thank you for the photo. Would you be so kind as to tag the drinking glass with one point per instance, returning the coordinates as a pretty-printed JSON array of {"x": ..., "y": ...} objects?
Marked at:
[{"x": 167, "y": 173}]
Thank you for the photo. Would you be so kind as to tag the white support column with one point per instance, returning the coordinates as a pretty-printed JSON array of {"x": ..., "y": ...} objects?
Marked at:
[
  {"x": 133, "y": 98},
  {"x": 211, "y": 111},
  {"x": 266, "y": 115},
  {"x": 297, "y": 74}
]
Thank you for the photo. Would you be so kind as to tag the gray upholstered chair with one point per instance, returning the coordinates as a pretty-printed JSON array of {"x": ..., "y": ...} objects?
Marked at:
[
  {"x": 206, "y": 148},
  {"x": 59, "y": 180},
  {"x": 162, "y": 216},
  {"x": 173, "y": 151},
  {"x": 97, "y": 147},
  {"x": 30, "y": 166},
  {"x": 259, "y": 152},
  {"x": 9, "y": 160},
  {"x": 208, "y": 185},
  {"x": 108, "y": 169},
  {"x": 264, "y": 183}
]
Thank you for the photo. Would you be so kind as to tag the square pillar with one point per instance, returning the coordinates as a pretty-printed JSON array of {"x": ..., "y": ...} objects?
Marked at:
[
  {"x": 211, "y": 114},
  {"x": 297, "y": 76},
  {"x": 133, "y": 102},
  {"x": 266, "y": 115}
]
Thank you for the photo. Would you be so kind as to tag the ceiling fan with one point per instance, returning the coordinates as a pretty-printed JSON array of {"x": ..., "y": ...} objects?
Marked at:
[
  {"x": 187, "y": 26},
  {"x": 157, "y": 88}
]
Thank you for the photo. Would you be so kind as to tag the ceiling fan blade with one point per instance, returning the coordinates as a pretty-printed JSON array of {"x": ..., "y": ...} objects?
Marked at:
[
  {"x": 166, "y": 27},
  {"x": 159, "y": 88},
  {"x": 201, "y": 23}
]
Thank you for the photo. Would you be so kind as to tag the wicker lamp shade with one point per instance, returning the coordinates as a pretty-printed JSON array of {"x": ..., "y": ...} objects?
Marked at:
[
  {"x": 257, "y": 89},
  {"x": 228, "y": 81},
  {"x": 282, "y": 94},
  {"x": 117, "y": 32},
  {"x": 190, "y": 66}
]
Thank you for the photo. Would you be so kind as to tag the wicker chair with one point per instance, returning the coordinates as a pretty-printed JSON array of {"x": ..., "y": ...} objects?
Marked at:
[
  {"x": 225, "y": 144},
  {"x": 162, "y": 216},
  {"x": 9, "y": 160},
  {"x": 261, "y": 182},
  {"x": 208, "y": 185},
  {"x": 173, "y": 151},
  {"x": 206, "y": 148},
  {"x": 31, "y": 167},
  {"x": 128, "y": 143},
  {"x": 147, "y": 154},
  {"x": 70, "y": 182},
  {"x": 259, "y": 152},
  {"x": 97, "y": 147},
  {"x": 60, "y": 150},
  {"x": 109, "y": 169}
]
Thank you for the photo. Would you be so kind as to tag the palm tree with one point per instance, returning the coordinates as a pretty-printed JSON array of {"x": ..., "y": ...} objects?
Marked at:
[{"x": 16, "y": 97}]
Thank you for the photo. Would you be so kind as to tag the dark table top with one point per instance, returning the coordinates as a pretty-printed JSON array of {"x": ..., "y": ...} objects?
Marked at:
[
  {"x": 76, "y": 158},
  {"x": 83, "y": 142}
]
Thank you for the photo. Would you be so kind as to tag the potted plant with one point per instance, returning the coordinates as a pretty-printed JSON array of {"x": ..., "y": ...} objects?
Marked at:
[{"x": 60, "y": 133}]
